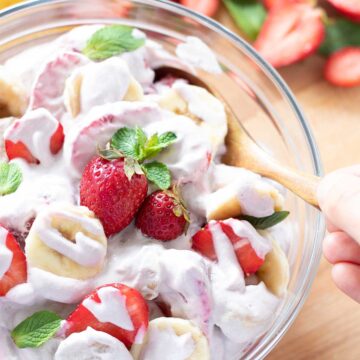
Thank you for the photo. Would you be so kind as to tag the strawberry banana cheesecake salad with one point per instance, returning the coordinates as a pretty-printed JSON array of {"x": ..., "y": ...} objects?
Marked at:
[{"x": 123, "y": 235}]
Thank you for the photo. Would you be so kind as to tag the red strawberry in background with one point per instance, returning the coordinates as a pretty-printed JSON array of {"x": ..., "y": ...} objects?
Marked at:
[
  {"x": 162, "y": 216},
  {"x": 249, "y": 261},
  {"x": 290, "y": 34},
  {"x": 349, "y": 8},
  {"x": 270, "y": 4},
  {"x": 115, "y": 309},
  {"x": 206, "y": 7},
  {"x": 17, "y": 271},
  {"x": 107, "y": 191},
  {"x": 343, "y": 67}
]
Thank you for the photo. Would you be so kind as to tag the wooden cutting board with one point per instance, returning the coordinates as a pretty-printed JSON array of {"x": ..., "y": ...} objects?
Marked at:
[{"x": 328, "y": 326}]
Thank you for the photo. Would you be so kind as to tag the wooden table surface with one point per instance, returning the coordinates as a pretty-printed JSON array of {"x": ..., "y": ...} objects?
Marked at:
[{"x": 328, "y": 326}]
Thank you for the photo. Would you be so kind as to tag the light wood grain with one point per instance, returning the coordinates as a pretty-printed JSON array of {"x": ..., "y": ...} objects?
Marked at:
[{"x": 328, "y": 325}]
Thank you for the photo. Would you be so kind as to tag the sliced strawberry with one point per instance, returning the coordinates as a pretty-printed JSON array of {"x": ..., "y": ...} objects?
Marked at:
[
  {"x": 135, "y": 305},
  {"x": 206, "y": 7},
  {"x": 290, "y": 34},
  {"x": 349, "y": 8},
  {"x": 17, "y": 272},
  {"x": 57, "y": 140},
  {"x": 249, "y": 261},
  {"x": 270, "y": 4},
  {"x": 19, "y": 150},
  {"x": 202, "y": 242},
  {"x": 20, "y": 142},
  {"x": 343, "y": 67}
]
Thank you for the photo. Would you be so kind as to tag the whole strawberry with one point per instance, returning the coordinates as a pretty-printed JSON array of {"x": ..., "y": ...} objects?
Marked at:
[
  {"x": 105, "y": 189},
  {"x": 162, "y": 216}
]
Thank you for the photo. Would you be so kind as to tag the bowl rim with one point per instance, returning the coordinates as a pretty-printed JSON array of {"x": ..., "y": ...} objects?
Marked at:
[{"x": 268, "y": 342}]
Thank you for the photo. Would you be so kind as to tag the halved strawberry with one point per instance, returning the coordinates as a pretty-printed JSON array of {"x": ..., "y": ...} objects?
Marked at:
[
  {"x": 343, "y": 67},
  {"x": 206, "y": 7},
  {"x": 17, "y": 271},
  {"x": 19, "y": 150},
  {"x": 113, "y": 302},
  {"x": 249, "y": 261},
  {"x": 290, "y": 34},
  {"x": 349, "y": 8},
  {"x": 202, "y": 242}
]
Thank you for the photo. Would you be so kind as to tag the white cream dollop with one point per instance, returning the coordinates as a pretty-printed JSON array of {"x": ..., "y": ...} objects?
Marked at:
[
  {"x": 111, "y": 308},
  {"x": 198, "y": 54},
  {"x": 180, "y": 347},
  {"x": 90, "y": 345}
]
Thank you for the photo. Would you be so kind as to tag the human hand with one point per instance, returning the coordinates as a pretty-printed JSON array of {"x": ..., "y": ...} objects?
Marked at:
[{"x": 339, "y": 199}]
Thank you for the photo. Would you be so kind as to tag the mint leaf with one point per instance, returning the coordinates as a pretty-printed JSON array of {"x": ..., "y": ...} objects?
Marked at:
[
  {"x": 36, "y": 329},
  {"x": 340, "y": 33},
  {"x": 263, "y": 223},
  {"x": 157, "y": 143},
  {"x": 157, "y": 173},
  {"x": 167, "y": 138},
  {"x": 10, "y": 178},
  {"x": 110, "y": 41},
  {"x": 249, "y": 15},
  {"x": 126, "y": 141}
]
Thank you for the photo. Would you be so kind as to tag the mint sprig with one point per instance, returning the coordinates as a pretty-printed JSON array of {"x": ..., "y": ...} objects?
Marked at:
[
  {"x": 262, "y": 223},
  {"x": 249, "y": 15},
  {"x": 36, "y": 329},
  {"x": 110, "y": 41},
  {"x": 10, "y": 178},
  {"x": 158, "y": 174},
  {"x": 137, "y": 148}
]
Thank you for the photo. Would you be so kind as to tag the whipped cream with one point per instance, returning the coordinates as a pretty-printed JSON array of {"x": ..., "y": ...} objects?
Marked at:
[
  {"x": 181, "y": 347},
  {"x": 35, "y": 130},
  {"x": 198, "y": 54},
  {"x": 108, "y": 95},
  {"x": 92, "y": 344},
  {"x": 110, "y": 299},
  {"x": 5, "y": 254}
]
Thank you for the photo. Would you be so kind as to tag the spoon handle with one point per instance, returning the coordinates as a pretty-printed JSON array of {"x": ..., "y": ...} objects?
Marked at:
[{"x": 302, "y": 184}]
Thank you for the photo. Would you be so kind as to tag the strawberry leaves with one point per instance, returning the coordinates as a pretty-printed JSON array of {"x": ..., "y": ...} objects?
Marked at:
[
  {"x": 249, "y": 15},
  {"x": 136, "y": 147},
  {"x": 10, "y": 178},
  {"x": 36, "y": 329},
  {"x": 340, "y": 33},
  {"x": 110, "y": 41}
]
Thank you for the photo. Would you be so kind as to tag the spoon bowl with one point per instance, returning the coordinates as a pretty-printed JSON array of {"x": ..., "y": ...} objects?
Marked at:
[{"x": 243, "y": 151}]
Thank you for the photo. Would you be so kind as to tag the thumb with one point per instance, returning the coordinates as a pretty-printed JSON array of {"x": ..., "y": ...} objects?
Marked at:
[{"x": 339, "y": 199}]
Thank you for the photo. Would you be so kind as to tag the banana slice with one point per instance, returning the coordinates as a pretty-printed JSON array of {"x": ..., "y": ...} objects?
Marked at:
[
  {"x": 13, "y": 99},
  {"x": 179, "y": 335},
  {"x": 200, "y": 106},
  {"x": 67, "y": 240},
  {"x": 237, "y": 191},
  {"x": 275, "y": 272},
  {"x": 98, "y": 84}
]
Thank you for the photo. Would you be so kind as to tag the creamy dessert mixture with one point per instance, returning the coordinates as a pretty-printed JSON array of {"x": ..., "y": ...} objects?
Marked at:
[{"x": 122, "y": 235}]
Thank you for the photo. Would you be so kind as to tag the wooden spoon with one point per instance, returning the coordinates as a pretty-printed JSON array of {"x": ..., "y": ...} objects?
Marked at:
[{"x": 242, "y": 151}]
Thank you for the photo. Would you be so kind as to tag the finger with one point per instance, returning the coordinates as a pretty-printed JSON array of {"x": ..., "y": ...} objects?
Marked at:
[
  {"x": 339, "y": 198},
  {"x": 330, "y": 226},
  {"x": 339, "y": 247},
  {"x": 347, "y": 278}
]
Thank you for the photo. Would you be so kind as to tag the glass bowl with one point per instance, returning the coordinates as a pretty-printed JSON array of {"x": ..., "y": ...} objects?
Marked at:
[{"x": 255, "y": 91}]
